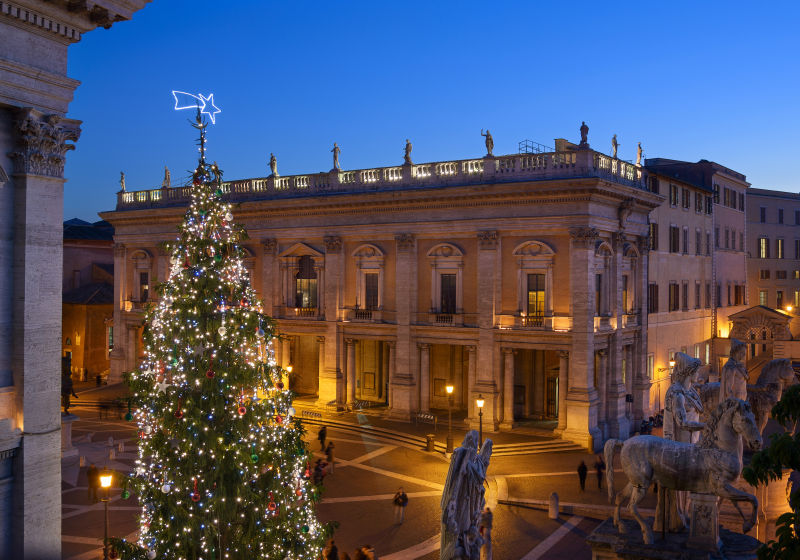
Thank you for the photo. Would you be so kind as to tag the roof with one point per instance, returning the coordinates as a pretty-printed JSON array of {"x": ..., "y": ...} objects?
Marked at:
[
  {"x": 752, "y": 191},
  {"x": 700, "y": 174},
  {"x": 105, "y": 266},
  {"x": 80, "y": 229},
  {"x": 98, "y": 293}
]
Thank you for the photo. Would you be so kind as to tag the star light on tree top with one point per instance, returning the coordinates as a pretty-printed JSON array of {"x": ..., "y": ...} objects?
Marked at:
[{"x": 205, "y": 103}]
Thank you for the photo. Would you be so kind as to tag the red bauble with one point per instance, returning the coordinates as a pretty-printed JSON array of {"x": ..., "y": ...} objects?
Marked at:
[
  {"x": 279, "y": 419},
  {"x": 272, "y": 506},
  {"x": 210, "y": 373},
  {"x": 242, "y": 410},
  {"x": 179, "y": 414},
  {"x": 195, "y": 496},
  {"x": 280, "y": 385},
  {"x": 299, "y": 492}
]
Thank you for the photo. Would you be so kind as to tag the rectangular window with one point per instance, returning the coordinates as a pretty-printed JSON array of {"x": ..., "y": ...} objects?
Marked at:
[
  {"x": 674, "y": 239},
  {"x": 598, "y": 294},
  {"x": 780, "y": 215},
  {"x": 733, "y": 239},
  {"x": 741, "y": 241},
  {"x": 697, "y": 351},
  {"x": 797, "y": 274},
  {"x": 110, "y": 336},
  {"x": 144, "y": 286},
  {"x": 371, "y": 290},
  {"x": 654, "y": 184},
  {"x": 674, "y": 296},
  {"x": 727, "y": 238},
  {"x": 708, "y": 295},
  {"x": 651, "y": 366},
  {"x": 762, "y": 297},
  {"x": 779, "y": 299},
  {"x": 763, "y": 274},
  {"x": 305, "y": 282},
  {"x": 76, "y": 279},
  {"x": 716, "y": 237},
  {"x": 763, "y": 248},
  {"x": 708, "y": 243},
  {"x": 652, "y": 298},
  {"x": 698, "y": 242},
  {"x": 654, "y": 237},
  {"x": 729, "y": 295},
  {"x": 716, "y": 194},
  {"x": 797, "y": 249},
  {"x": 733, "y": 199},
  {"x": 697, "y": 295},
  {"x": 797, "y": 298},
  {"x": 536, "y": 296},
  {"x": 685, "y": 198},
  {"x": 625, "y": 294},
  {"x": 685, "y": 241},
  {"x": 447, "y": 302},
  {"x": 763, "y": 215},
  {"x": 738, "y": 295},
  {"x": 673, "y": 195},
  {"x": 741, "y": 202},
  {"x": 780, "y": 275},
  {"x": 698, "y": 202},
  {"x": 708, "y": 352},
  {"x": 718, "y": 303},
  {"x": 797, "y": 217},
  {"x": 779, "y": 248},
  {"x": 709, "y": 205},
  {"x": 726, "y": 196}
]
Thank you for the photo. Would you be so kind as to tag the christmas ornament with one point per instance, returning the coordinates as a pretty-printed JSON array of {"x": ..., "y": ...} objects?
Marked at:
[
  {"x": 242, "y": 410},
  {"x": 166, "y": 488},
  {"x": 151, "y": 554},
  {"x": 279, "y": 419},
  {"x": 260, "y": 332},
  {"x": 148, "y": 429},
  {"x": 210, "y": 373},
  {"x": 222, "y": 331},
  {"x": 279, "y": 385},
  {"x": 229, "y": 217},
  {"x": 125, "y": 495},
  {"x": 195, "y": 494},
  {"x": 291, "y": 411}
]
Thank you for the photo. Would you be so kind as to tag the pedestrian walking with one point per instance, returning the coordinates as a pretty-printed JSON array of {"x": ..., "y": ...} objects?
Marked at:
[
  {"x": 369, "y": 552},
  {"x": 582, "y": 470},
  {"x": 400, "y": 502},
  {"x": 330, "y": 552},
  {"x": 359, "y": 554},
  {"x": 322, "y": 436},
  {"x": 486, "y": 531},
  {"x": 600, "y": 467},
  {"x": 319, "y": 472},
  {"x": 93, "y": 482},
  {"x": 329, "y": 454}
]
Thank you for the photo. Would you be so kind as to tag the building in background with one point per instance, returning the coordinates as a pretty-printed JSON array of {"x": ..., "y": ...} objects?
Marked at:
[
  {"x": 680, "y": 280},
  {"x": 88, "y": 294},
  {"x": 518, "y": 278},
  {"x": 35, "y": 137}
]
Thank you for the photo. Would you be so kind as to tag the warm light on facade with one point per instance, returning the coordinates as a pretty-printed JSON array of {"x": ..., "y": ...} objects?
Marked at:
[
  {"x": 479, "y": 402},
  {"x": 449, "y": 389},
  {"x": 105, "y": 480}
]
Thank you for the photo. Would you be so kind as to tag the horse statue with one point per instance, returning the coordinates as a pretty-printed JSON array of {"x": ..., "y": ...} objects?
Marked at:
[
  {"x": 775, "y": 377},
  {"x": 708, "y": 467}
]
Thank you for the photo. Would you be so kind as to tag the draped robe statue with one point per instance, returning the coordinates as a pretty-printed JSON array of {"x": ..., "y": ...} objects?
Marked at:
[{"x": 734, "y": 373}]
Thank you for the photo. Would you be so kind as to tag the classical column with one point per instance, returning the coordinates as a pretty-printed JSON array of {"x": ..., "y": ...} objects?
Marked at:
[
  {"x": 383, "y": 378},
  {"x": 270, "y": 295},
  {"x": 563, "y": 380},
  {"x": 508, "y": 389},
  {"x": 321, "y": 360},
  {"x": 424, "y": 377},
  {"x": 117, "y": 356},
  {"x": 402, "y": 381},
  {"x": 472, "y": 414},
  {"x": 392, "y": 353},
  {"x": 602, "y": 390},
  {"x": 487, "y": 376},
  {"x": 331, "y": 285},
  {"x": 351, "y": 371}
]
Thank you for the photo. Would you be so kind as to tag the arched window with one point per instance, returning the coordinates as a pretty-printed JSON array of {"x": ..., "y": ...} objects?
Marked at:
[{"x": 305, "y": 294}]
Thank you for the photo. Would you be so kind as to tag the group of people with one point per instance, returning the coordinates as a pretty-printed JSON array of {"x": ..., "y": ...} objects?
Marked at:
[
  {"x": 331, "y": 552},
  {"x": 321, "y": 468},
  {"x": 600, "y": 469}
]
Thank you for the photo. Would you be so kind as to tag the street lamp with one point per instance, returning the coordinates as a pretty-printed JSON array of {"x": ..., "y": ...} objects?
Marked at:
[
  {"x": 449, "y": 389},
  {"x": 479, "y": 403},
  {"x": 105, "y": 482}
]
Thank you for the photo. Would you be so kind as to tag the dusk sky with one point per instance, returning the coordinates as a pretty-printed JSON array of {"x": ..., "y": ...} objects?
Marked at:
[{"x": 690, "y": 80}]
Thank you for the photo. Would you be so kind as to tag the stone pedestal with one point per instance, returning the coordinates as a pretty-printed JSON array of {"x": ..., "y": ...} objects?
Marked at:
[
  {"x": 704, "y": 522},
  {"x": 67, "y": 449}
]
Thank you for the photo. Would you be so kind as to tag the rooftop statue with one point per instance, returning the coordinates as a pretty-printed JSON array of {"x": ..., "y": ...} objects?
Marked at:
[
  {"x": 273, "y": 164},
  {"x": 614, "y": 146},
  {"x": 709, "y": 467},
  {"x": 489, "y": 142},
  {"x": 584, "y": 134},
  {"x": 122, "y": 181},
  {"x": 336, "y": 149},
  {"x": 167, "y": 182},
  {"x": 407, "y": 156},
  {"x": 639, "y": 154},
  {"x": 463, "y": 501}
]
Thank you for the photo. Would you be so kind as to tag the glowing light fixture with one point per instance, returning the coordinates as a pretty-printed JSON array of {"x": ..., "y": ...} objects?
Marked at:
[
  {"x": 105, "y": 480},
  {"x": 206, "y": 105}
]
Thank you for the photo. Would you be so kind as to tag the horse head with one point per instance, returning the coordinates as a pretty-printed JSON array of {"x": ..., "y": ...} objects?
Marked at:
[
  {"x": 733, "y": 417},
  {"x": 744, "y": 423},
  {"x": 779, "y": 370}
]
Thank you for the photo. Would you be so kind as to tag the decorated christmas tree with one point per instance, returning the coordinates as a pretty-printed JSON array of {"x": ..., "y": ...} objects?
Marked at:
[{"x": 223, "y": 472}]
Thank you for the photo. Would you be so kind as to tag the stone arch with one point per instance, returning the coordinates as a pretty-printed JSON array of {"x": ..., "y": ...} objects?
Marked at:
[
  {"x": 630, "y": 251},
  {"x": 603, "y": 249},
  {"x": 445, "y": 250},
  {"x": 533, "y": 248},
  {"x": 368, "y": 251}
]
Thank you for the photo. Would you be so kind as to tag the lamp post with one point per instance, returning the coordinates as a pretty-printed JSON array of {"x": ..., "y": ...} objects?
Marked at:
[
  {"x": 449, "y": 388},
  {"x": 105, "y": 483},
  {"x": 479, "y": 403}
]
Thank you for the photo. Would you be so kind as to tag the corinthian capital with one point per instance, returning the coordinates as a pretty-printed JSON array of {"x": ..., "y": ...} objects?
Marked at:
[
  {"x": 42, "y": 143},
  {"x": 584, "y": 236}
]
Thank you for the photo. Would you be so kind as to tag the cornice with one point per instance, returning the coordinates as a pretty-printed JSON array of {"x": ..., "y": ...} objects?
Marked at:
[{"x": 67, "y": 20}]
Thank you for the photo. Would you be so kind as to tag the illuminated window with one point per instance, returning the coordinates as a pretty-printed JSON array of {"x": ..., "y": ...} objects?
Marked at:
[
  {"x": 305, "y": 284},
  {"x": 779, "y": 248},
  {"x": 371, "y": 290},
  {"x": 763, "y": 248},
  {"x": 762, "y": 297},
  {"x": 535, "y": 299},
  {"x": 144, "y": 286}
]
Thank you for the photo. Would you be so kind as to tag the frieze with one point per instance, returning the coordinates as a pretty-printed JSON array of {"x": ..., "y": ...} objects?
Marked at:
[
  {"x": 584, "y": 236},
  {"x": 42, "y": 144},
  {"x": 270, "y": 246},
  {"x": 405, "y": 242},
  {"x": 487, "y": 240},
  {"x": 333, "y": 243}
]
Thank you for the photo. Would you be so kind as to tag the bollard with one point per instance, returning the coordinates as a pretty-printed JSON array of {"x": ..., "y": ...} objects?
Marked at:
[
  {"x": 552, "y": 512},
  {"x": 431, "y": 443}
]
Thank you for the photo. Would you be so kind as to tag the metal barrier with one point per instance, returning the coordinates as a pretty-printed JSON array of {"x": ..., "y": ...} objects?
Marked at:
[{"x": 425, "y": 418}]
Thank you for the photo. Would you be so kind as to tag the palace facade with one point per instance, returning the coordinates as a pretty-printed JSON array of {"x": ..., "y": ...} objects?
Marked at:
[{"x": 519, "y": 278}]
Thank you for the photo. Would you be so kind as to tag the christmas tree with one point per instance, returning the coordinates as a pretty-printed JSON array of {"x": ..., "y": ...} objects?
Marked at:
[{"x": 223, "y": 472}]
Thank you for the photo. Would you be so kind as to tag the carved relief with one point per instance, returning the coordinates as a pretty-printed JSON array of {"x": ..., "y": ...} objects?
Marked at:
[
  {"x": 42, "y": 144},
  {"x": 119, "y": 249},
  {"x": 625, "y": 210},
  {"x": 487, "y": 239},
  {"x": 405, "y": 242},
  {"x": 584, "y": 236},
  {"x": 333, "y": 243},
  {"x": 618, "y": 240},
  {"x": 270, "y": 246}
]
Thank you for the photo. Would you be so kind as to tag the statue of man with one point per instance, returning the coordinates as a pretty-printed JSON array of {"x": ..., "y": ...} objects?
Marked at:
[
  {"x": 639, "y": 154},
  {"x": 489, "y": 142},
  {"x": 273, "y": 164},
  {"x": 336, "y": 151},
  {"x": 122, "y": 181},
  {"x": 463, "y": 500},
  {"x": 734, "y": 376},
  {"x": 407, "y": 157},
  {"x": 682, "y": 408},
  {"x": 167, "y": 179},
  {"x": 614, "y": 146},
  {"x": 584, "y": 134}
]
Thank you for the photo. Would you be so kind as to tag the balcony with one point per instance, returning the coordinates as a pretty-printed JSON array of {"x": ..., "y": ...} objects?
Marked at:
[
  {"x": 630, "y": 320},
  {"x": 441, "y": 319},
  {"x": 308, "y": 313},
  {"x": 359, "y": 315}
]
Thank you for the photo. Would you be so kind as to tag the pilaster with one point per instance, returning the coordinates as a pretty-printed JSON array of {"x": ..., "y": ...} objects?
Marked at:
[
  {"x": 117, "y": 356},
  {"x": 270, "y": 294},
  {"x": 508, "y": 389},
  {"x": 402, "y": 385},
  {"x": 424, "y": 377},
  {"x": 332, "y": 382}
]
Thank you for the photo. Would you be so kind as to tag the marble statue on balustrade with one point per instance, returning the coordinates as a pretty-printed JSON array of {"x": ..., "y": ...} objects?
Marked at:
[
  {"x": 584, "y": 134},
  {"x": 734, "y": 376},
  {"x": 709, "y": 467},
  {"x": 489, "y": 142},
  {"x": 682, "y": 409},
  {"x": 407, "y": 156},
  {"x": 336, "y": 150},
  {"x": 614, "y": 146},
  {"x": 273, "y": 164},
  {"x": 463, "y": 499},
  {"x": 167, "y": 182},
  {"x": 122, "y": 181},
  {"x": 638, "y": 154}
]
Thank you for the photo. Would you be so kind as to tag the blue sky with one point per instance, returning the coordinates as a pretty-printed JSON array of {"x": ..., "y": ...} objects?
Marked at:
[{"x": 690, "y": 80}]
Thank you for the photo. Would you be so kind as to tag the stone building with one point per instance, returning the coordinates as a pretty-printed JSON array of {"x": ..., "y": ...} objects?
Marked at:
[
  {"x": 34, "y": 139},
  {"x": 679, "y": 276},
  {"x": 88, "y": 294},
  {"x": 520, "y": 278}
]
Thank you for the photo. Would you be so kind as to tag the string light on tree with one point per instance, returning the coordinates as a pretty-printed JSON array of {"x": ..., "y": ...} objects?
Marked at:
[{"x": 222, "y": 467}]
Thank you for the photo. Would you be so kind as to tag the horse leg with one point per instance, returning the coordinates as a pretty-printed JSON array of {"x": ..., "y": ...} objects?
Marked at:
[
  {"x": 725, "y": 490},
  {"x": 637, "y": 493},
  {"x": 626, "y": 493}
]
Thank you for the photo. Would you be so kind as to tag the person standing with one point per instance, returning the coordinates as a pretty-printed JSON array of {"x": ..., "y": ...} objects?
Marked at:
[
  {"x": 329, "y": 455},
  {"x": 400, "y": 502},
  {"x": 322, "y": 436},
  {"x": 331, "y": 552},
  {"x": 486, "y": 530},
  {"x": 93, "y": 482},
  {"x": 582, "y": 470},
  {"x": 600, "y": 467}
]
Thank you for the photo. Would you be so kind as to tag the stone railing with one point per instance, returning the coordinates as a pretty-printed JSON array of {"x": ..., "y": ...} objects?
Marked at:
[{"x": 509, "y": 168}]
